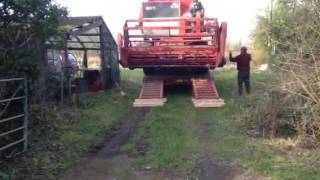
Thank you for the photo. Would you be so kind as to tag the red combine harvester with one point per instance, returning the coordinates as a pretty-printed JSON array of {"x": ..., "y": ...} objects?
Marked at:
[{"x": 172, "y": 47}]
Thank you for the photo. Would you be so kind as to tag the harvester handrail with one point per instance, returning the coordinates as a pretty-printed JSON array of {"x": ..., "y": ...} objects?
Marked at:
[
  {"x": 187, "y": 35},
  {"x": 152, "y": 28},
  {"x": 171, "y": 32},
  {"x": 172, "y": 41},
  {"x": 188, "y": 24},
  {"x": 162, "y": 28},
  {"x": 170, "y": 20}
]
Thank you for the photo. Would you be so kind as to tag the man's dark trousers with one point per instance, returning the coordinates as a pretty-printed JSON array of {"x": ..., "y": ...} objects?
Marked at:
[{"x": 243, "y": 78}]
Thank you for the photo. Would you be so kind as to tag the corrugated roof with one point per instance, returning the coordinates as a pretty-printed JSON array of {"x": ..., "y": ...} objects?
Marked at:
[{"x": 84, "y": 32}]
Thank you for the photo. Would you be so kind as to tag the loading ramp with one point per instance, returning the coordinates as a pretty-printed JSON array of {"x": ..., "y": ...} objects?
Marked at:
[{"x": 204, "y": 91}]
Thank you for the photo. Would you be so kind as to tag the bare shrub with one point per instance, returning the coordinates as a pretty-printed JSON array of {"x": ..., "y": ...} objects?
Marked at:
[
  {"x": 268, "y": 117},
  {"x": 291, "y": 104},
  {"x": 292, "y": 34},
  {"x": 299, "y": 77}
]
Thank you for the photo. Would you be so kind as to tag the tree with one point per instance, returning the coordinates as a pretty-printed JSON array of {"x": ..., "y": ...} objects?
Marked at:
[
  {"x": 294, "y": 25},
  {"x": 24, "y": 27},
  {"x": 295, "y": 32}
]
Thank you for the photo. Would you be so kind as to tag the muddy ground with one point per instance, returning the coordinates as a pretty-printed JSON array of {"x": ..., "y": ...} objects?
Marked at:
[{"x": 109, "y": 163}]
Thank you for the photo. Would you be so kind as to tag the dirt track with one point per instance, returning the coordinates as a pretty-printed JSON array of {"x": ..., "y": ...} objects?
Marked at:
[
  {"x": 109, "y": 164},
  {"x": 112, "y": 148}
]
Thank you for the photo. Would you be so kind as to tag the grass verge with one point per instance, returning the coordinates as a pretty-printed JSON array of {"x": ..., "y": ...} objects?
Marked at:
[{"x": 179, "y": 136}]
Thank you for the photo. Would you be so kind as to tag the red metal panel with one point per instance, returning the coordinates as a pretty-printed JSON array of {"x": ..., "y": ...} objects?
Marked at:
[
  {"x": 168, "y": 57},
  {"x": 185, "y": 4},
  {"x": 223, "y": 39}
]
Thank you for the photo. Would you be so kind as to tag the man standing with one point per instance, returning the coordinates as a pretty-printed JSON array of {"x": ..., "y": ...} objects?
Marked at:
[
  {"x": 196, "y": 7},
  {"x": 243, "y": 65}
]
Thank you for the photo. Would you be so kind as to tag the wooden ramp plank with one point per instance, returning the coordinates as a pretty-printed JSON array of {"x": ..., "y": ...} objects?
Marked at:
[
  {"x": 208, "y": 103},
  {"x": 149, "y": 102}
]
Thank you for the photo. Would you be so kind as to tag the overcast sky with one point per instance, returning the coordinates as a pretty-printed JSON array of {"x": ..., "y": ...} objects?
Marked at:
[{"x": 240, "y": 14}]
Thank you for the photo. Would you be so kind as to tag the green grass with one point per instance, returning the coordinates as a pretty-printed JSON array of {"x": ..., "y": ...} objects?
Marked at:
[
  {"x": 176, "y": 136},
  {"x": 67, "y": 134},
  {"x": 180, "y": 135},
  {"x": 91, "y": 129},
  {"x": 93, "y": 125}
]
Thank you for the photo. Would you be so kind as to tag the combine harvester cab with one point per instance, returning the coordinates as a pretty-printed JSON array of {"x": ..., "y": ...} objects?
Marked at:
[{"x": 171, "y": 46}]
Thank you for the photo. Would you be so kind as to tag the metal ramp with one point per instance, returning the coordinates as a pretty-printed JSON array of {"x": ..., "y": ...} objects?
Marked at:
[
  {"x": 205, "y": 93},
  {"x": 151, "y": 94}
]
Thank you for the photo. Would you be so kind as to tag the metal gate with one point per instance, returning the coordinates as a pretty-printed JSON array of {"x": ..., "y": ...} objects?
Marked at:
[{"x": 13, "y": 121}]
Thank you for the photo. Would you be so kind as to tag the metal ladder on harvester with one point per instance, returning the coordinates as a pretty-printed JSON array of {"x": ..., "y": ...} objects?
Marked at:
[
  {"x": 151, "y": 94},
  {"x": 204, "y": 92}
]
